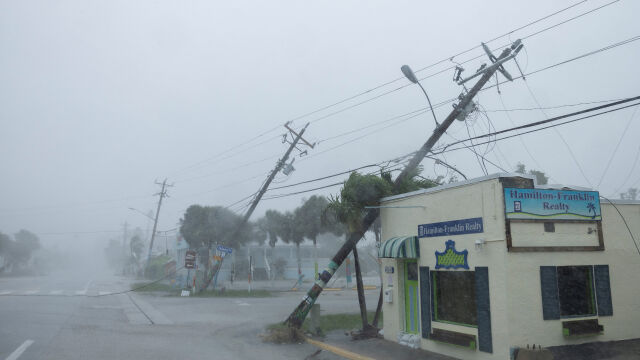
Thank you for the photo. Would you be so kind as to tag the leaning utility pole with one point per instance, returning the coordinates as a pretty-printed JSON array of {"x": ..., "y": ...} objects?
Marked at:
[
  {"x": 279, "y": 165},
  {"x": 296, "y": 318},
  {"x": 162, "y": 194}
]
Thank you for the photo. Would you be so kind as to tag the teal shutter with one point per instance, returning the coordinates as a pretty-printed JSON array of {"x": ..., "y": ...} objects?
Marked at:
[
  {"x": 603, "y": 290},
  {"x": 549, "y": 287},
  {"x": 484, "y": 309},
  {"x": 425, "y": 301}
]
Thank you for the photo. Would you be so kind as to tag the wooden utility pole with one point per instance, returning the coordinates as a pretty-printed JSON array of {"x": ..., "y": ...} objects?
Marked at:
[
  {"x": 296, "y": 318},
  {"x": 279, "y": 165},
  {"x": 162, "y": 194},
  {"x": 275, "y": 171}
]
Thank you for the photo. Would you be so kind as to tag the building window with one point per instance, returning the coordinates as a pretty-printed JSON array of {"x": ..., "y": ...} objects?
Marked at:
[
  {"x": 454, "y": 297},
  {"x": 549, "y": 227},
  {"x": 412, "y": 271},
  {"x": 575, "y": 291}
]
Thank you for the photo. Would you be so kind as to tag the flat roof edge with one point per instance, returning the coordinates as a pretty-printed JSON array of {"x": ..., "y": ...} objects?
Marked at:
[{"x": 458, "y": 184}]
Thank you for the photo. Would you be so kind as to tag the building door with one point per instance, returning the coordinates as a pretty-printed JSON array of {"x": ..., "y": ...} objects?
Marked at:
[{"x": 412, "y": 316}]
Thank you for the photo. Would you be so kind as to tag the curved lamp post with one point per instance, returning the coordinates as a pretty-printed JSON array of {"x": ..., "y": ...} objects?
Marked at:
[{"x": 408, "y": 73}]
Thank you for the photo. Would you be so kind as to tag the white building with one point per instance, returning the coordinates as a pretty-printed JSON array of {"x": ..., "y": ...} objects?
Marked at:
[{"x": 479, "y": 268}]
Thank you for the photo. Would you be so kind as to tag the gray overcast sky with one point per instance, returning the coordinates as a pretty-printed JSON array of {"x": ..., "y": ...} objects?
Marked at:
[{"x": 99, "y": 99}]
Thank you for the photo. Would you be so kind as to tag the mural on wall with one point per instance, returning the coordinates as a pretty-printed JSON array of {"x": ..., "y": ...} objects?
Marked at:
[{"x": 450, "y": 258}]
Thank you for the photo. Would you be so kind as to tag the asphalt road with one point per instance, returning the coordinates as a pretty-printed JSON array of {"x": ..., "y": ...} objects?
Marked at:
[{"x": 60, "y": 317}]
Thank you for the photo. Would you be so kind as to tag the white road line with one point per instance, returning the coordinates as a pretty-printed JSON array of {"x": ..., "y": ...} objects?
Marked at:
[
  {"x": 101, "y": 293},
  {"x": 30, "y": 292},
  {"x": 55, "y": 292},
  {"x": 81, "y": 292},
  {"x": 16, "y": 354},
  {"x": 6, "y": 292}
]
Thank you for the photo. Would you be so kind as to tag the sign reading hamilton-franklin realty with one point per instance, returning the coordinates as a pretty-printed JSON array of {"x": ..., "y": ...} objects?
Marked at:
[
  {"x": 552, "y": 204},
  {"x": 453, "y": 227}
]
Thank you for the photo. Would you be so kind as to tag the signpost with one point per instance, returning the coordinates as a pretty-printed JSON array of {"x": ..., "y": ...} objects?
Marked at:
[
  {"x": 190, "y": 259},
  {"x": 224, "y": 249}
]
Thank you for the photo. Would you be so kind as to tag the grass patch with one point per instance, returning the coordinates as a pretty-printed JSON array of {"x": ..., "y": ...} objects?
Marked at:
[
  {"x": 235, "y": 293},
  {"x": 332, "y": 322}
]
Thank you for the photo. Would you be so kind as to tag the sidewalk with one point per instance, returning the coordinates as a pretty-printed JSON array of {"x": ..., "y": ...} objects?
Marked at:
[{"x": 379, "y": 348}]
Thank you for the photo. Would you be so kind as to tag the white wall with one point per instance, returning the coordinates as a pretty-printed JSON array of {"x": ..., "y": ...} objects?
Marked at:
[
  {"x": 514, "y": 278},
  {"x": 476, "y": 200},
  {"x": 525, "y": 302}
]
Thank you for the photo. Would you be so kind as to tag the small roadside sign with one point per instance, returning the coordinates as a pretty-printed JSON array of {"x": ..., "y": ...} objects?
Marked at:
[
  {"x": 225, "y": 249},
  {"x": 190, "y": 259}
]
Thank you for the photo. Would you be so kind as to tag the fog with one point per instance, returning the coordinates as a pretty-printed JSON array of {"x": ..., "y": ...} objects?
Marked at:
[{"x": 98, "y": 100}]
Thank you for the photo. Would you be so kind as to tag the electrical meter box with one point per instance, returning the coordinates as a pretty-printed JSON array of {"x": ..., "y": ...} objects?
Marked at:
[{"x": 388, "y": 295}]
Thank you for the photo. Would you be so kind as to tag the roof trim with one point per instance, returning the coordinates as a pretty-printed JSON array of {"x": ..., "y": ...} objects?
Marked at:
[
  {"x": 458, "y": 184},
  {"x": 619, "y": 202}
]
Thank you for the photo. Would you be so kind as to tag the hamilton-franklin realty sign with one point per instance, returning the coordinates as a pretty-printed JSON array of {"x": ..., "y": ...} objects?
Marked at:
[
  {"x": 552, "y": 204},
  {"x": 448, "y": 228}
]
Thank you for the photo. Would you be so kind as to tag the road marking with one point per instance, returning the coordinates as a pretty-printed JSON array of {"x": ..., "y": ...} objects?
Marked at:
[
  {"x": 81, "y": 292},
  {"x": 55, "y": 292},
  {"x": 338, "y": 351},
  {"x": 86, "y": 287},
  {"x": 241, "y": 303},
  {"x": 16, "y": 354},
  {"x": 102, "y": 293},
  {"x": 7, "y": 292},
  {"x": 153, "y": 314},
  {"x": 31, "y": 292}
]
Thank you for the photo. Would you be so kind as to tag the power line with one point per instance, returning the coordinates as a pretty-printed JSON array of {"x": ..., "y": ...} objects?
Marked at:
[
  {"x": 504, "y": 108},
  {"x": 349, "y": 98},
  {"x": 556, "y": 118},
  {"x": 564, "y": 141},
  {"x": 613, "y": 154},
  {"x": 625, "y": 224},
  {"x": 324, "y": 177},
  {"x": 635, "y": 163},
  {"x": 609, "y": 47},
  {"x": 445, "y": 149}
]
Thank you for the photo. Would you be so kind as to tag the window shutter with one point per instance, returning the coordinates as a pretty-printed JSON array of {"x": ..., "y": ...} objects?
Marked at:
[
  {"x": 425, "y": 301},
  {"x": 603, "y": 290},
  {"x": 549, "y": 287},
  {"x": 484, "y": 309}
]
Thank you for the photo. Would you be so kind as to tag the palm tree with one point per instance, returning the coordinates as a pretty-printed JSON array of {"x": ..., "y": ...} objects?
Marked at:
[
  {"x": 358, "y": 192},
  {"x": 591, "y": 208}
]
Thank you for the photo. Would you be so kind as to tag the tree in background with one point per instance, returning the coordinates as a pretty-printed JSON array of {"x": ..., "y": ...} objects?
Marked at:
[
  {"x": 202, "y": 227},
  {"x": 5, "y": 250},
  {"x": 310, "y": 217},
  {"x": 630, "y": 194},
  {"x": 541, "y": 177}
]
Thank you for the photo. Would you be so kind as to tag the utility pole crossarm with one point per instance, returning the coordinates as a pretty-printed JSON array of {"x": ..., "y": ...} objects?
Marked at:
[
  {"x": 273, "y": 174},
  {"x": 296, "y": 318}
]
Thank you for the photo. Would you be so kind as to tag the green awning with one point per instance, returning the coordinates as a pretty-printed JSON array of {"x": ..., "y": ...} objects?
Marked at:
[{"x": 406, "y": 247}]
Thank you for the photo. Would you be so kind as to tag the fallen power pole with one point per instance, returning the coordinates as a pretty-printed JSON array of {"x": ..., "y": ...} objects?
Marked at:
[
  {"x": 296, "y": 318},
  {"x": 297, "y": 137}
]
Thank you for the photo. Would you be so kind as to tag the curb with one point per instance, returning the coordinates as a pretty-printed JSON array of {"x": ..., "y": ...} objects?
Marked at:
[{"x": 338, "y": 351}]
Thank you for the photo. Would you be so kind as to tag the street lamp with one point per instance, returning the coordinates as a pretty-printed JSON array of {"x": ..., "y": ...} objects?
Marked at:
[{"x": 408, "y": 73}]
